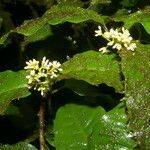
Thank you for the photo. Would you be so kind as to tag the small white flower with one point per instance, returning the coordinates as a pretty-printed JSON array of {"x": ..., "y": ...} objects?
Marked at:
[
  {"x": 45, "y": 63},
  {"x": 117, "y": 46},
  {"x": 30, "y": 80},
  {"x": 123, "y": 148},
  {"x": 32, "y": 64},
  {"x": 110, "y": 43},
  {"x": 56, "y": 64},
  {"x": 114, "y": 33},
  {"x": 125, "y": 32},
  {"x": 32, "y": 72},
  {"x": 131, "y": 47},
  {"x": 40, "y": 75},
  {"x": 107, "y": 35},
  {"x": 103, "y": 50},
  {"x": 53, "y": 75},
  {"x": 99, "y": 31},
  {"x": 117, "y": 39}
]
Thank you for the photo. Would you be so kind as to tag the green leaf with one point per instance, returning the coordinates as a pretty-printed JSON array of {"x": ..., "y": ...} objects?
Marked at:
[
  {"x": 129, "y": 3},
  {"x": 30, "y": 27},
  {"x": 55, "y": 15},
  {"x": 81, "y": 88},
  {"x": 42, "y": 34},
  {"x": 113, "y": 132},
  {"x": 49, "y": 135},
  {"x": 77, "y": 3},
  {"x": 141, "y": 16},
  {"x": 91, "y": 128},
  {"x": 94, "y": 68},
  {"x": 13, "y": 85},
  {"x": 141, "y": 33},
  {"x": 135, "y": 67},
  {"x": 18, "y": 146},
  {"x": 95, "y": 2},
  {"x": 61, "y": 14},
  {"x": 74, "y": 132}
]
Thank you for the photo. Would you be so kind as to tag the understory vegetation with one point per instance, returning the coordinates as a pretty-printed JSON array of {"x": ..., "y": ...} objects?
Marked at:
[{"x": 74, "y": 74}]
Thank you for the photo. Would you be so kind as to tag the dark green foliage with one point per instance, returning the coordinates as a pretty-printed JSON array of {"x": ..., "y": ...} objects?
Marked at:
[
  {"x": 13, "y": 86},
  {"x": 141, "y": 16},
  {"x": 99, "y": 101},
  {"x": 94, "y": 128},
  {"x": 54, "y": 16},
  {"x": 137, "y": 92},
  {"x": 18, "y": 146},
  {"x": 93, "y": 67}
]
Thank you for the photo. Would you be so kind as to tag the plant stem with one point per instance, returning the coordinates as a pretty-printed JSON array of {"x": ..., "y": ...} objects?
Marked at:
[{"x": 41, "y": 115}]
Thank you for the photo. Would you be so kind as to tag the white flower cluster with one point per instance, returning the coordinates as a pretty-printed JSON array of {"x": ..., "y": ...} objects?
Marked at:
[
  {"x": 117, "y": 39},
  {"x": 41, "y": 74}
]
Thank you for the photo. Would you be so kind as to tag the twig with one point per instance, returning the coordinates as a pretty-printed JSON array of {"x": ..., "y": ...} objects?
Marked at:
[{"x": 41, "y": 115}]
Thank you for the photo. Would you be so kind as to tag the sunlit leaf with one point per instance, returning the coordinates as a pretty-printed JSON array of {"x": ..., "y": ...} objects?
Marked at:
[
  {"x": 55, "y": 15},
  {"x": 91, "y": 128},
  {"x": 94, "y": 68},
  {"x": 137, "y": 74},
  {"x": 141, "y": 16},
  {"x": 40, "y": 35},
  {"x": 18, "y": 146},
  {"x": 62, "y": 14}
]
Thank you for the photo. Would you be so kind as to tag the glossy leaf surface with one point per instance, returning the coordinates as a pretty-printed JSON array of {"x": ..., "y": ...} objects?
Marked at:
[
  {"x": 94, "y": 68},
  {"x": 136, "y": 71},
  {"x": 13, "y": 85},
  {"x": 91, "y": 128},
  {"x": 18, "y": 146},
  {"x": 55, "y": 15}
]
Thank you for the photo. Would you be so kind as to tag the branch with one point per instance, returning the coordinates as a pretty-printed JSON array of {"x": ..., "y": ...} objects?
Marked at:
[{"x": 41, "y": 115}]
